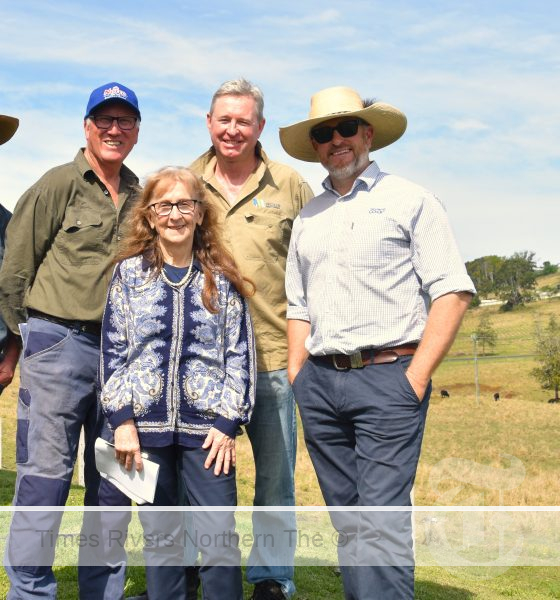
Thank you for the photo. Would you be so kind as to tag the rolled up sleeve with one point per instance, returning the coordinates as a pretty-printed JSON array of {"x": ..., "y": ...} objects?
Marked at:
[{"x": 434, "y": 252}]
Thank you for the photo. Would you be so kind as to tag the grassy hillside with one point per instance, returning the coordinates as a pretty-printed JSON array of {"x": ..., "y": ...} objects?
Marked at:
[
  {"x": 475, "y": 453},
  {"x": 515, "y": 329},
  {"x": 551, "y": 281}
]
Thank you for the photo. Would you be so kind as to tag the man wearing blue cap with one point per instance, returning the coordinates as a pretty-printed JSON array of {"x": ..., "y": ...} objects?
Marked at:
[{"x": 61, "y": 244}]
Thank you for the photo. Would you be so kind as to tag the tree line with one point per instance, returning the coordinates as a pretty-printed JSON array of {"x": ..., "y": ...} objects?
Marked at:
[
  {"x": 513, "y": 280},
  {"x": 510, "y": 279}
]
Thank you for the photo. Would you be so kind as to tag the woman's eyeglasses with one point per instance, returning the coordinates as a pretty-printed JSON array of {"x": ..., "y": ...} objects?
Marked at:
[{"x": 185, "y": 207}]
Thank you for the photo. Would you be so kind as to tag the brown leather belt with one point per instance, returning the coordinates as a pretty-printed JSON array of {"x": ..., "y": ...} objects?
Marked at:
[
  {"x": 367, "y": 357},
  {"x": 90, "y": 327}
]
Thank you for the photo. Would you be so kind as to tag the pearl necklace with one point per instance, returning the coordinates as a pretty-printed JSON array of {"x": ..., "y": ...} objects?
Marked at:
[{"x": 186, "y": 277}]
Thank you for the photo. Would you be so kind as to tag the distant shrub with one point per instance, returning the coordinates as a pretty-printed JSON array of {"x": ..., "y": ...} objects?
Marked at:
[
  {"x": 507, "y": 306},
  {"x": 475, "y": 302}
]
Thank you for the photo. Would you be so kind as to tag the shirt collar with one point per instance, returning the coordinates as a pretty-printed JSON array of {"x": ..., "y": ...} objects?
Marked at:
[
  {"x": 366, "y": 179},
  {"x": 209, "y": 160},
  {"x": 89, "y": 174}
]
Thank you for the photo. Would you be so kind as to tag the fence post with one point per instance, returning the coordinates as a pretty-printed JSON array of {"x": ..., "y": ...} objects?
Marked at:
[
  {"x": 81, "y": 448},
  {"x": 474, "y": 338}
]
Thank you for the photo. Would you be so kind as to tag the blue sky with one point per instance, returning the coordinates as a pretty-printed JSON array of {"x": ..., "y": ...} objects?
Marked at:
[{"x": 479, "y": 82}]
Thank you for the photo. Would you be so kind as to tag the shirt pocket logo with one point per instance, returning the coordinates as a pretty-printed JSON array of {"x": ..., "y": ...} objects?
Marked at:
[{"x": 261, "y": 236}]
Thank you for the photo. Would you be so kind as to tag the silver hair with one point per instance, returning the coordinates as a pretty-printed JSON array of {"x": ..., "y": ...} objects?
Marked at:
[{"x": 240, "y": 87}]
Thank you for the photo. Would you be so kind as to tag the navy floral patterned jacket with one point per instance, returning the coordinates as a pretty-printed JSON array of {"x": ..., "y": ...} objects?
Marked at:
[{"x": 170, "y": 364}]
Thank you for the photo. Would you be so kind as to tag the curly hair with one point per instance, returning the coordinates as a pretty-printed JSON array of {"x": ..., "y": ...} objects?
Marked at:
[{"x": 142, "y": 239}]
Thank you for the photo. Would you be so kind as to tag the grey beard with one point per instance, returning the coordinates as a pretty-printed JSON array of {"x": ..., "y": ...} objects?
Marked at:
[{"x": 352, "y": 169}]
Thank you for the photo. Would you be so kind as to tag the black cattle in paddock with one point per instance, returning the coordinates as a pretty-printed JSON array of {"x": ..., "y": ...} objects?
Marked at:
[
  {"x": 445, "y": 394},
  {"x": 497, "y": 396}
]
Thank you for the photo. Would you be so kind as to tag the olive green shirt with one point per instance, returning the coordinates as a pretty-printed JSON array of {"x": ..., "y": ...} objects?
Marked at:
[
  {"x": 61, "y": 243},
  {"x": 257, "y": 228}
]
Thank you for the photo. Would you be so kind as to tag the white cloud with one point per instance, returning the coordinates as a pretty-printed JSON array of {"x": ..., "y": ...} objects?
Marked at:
[
  {"x": 312, "y": 19},
  {"x": 466, "y": 125},
  {"x": 478, "y": 83}
]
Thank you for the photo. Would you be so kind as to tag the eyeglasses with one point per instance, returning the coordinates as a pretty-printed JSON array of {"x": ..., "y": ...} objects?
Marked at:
[
  {"x": 185, "y": 207},
  {"x": 324, "y": 133},
  {"x": 106, "y": 122}
]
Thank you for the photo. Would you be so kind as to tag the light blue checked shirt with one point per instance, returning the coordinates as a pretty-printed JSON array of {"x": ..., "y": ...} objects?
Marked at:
[{"x": 362, "y": 268}]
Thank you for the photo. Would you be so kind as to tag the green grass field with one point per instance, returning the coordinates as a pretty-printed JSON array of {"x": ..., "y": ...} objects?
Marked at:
[{"x": 501, "y": 453}]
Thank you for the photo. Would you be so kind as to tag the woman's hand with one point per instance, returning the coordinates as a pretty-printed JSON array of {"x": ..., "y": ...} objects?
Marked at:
[
  {"x": 222, "y": 450},
  {"x": 127, "y": 445}
]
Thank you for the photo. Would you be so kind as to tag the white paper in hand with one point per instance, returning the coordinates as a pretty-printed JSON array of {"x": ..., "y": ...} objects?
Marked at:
[{"x": 139, "y": 486}]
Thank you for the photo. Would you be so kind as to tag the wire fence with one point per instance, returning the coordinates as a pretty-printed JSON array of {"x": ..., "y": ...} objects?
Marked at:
[
  {"x": 521, "y": 343},
  {"x": 497, "y": 367}
]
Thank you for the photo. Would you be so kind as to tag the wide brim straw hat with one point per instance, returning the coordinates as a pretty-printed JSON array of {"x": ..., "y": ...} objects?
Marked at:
[
  {"x": 388, "y": 122},
  {"x": 8, "y": 126}
]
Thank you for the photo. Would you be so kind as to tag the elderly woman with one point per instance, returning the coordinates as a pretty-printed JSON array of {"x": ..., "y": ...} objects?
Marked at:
[{"x": 178, "y": 367}]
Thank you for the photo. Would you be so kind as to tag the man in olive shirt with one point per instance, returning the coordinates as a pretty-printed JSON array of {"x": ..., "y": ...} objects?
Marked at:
[
  {"x": 257, "y": 201},
  {"x": 61, "y": 243}
]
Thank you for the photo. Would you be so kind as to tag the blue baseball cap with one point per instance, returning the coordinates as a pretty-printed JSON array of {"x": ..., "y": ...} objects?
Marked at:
[{"x": 109, "y": 93}]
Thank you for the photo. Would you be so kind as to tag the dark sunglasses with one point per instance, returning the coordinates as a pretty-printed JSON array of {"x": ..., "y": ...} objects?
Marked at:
[{"x": 324, "y": 133}]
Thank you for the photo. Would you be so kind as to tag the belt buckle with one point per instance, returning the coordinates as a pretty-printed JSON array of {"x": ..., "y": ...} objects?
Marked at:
[
  {"x": 336, "y": 365},
  {"x": 356, "y": 361}
]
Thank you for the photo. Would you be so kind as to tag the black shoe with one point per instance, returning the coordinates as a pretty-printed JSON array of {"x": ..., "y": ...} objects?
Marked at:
[
  {"x": 268, "y": 590},
  {"x": 193, "y": 582}
]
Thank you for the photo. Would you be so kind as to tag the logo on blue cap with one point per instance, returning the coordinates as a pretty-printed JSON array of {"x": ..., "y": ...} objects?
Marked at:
[
  {"x": 112, "y": 91},
  {"x": 115, "y": 92}
]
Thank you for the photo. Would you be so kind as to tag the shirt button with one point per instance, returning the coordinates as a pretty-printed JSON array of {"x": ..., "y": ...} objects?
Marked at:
[
  {"x": 119, "y": 237},
  {"x": 78, "y": 222},
  {"x": 106, "y": 192}
]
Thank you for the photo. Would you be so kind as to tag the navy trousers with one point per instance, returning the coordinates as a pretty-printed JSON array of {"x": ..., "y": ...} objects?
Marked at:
[
  {"x": 212, "y": 533},
  {"x": 363, "y": 429}
]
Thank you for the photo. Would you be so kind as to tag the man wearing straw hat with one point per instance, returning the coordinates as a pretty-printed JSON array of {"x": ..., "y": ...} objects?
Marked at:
[
  {"x": 9, "y": 343},
  {"x": 376, "y": 293}
]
